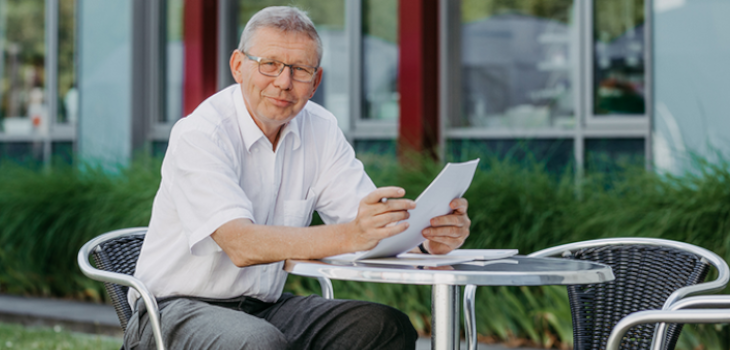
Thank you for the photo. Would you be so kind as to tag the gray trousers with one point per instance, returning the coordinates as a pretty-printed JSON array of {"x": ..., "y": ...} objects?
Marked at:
[{"x": 293, "y": 322}]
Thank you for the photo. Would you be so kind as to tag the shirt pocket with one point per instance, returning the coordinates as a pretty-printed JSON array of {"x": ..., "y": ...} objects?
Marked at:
[{"x": 298, "y": 213}]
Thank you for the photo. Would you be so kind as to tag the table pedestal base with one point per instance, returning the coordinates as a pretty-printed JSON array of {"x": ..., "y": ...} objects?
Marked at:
[{"x": 444, "y": 317}]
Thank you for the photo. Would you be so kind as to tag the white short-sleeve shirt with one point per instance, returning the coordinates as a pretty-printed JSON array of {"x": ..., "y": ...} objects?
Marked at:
[{"x": 219, "y": 166}]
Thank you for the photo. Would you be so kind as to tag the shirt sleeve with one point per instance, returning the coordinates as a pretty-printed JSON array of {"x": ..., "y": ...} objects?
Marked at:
[
  {"x": 343, "y": 181},
  {"x": 204, "y": 185}
]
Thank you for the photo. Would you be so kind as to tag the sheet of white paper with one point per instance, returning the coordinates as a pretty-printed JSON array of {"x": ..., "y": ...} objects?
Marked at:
[
  {"x": 422, "y": 260},
  {"x": 344, "y": 257},
  {"x": 484, "y": 254},
  {"x": 477, "y": 256},
  {"x": 491, "y": 262},
  {"x": 471, "y": 254},
  {"x": 434, "y": 201}
]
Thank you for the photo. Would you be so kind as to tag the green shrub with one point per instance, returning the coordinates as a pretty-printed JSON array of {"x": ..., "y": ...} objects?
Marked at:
[{"x": 47, "y": 214}]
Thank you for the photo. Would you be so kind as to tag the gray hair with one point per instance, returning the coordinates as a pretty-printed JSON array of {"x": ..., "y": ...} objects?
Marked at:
[{"x": 285, "y": 18}]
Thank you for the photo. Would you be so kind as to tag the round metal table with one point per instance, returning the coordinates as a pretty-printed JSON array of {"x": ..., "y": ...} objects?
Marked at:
[{"x": 514, "y": 271}]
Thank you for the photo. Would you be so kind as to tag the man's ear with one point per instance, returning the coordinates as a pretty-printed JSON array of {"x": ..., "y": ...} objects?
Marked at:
[
  {"x": 317, "y": 81},
  {"x": 236, "y": 63}
]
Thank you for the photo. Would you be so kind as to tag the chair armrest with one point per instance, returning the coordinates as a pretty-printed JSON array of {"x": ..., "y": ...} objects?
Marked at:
[
  {"x": 698, "y": 302},
  {"x": 679, "y": 312},
  {"x": 124, "y": 280},
  {"x": 703, "y": 302}
]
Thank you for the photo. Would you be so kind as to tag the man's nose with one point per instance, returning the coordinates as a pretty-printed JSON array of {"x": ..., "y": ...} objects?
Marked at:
[{"x": 284, "y": 80}]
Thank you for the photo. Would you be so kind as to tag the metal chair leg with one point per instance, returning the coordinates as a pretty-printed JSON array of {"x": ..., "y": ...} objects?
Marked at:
[
  {"x": 326, "y": 285},
  {"x": 470, "y": 322}
]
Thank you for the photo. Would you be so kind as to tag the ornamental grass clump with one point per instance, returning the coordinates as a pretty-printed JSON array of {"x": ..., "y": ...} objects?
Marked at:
[{"x": 46, "y": 214}]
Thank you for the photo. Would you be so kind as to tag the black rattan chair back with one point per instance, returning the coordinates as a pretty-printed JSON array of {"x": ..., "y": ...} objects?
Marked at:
[
  {"x": 119, "y": 255},
  {"x": 646, "y": 276}
]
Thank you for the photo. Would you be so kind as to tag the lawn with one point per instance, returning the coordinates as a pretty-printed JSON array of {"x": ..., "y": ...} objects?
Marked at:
[{"x": 13, "y": 336}]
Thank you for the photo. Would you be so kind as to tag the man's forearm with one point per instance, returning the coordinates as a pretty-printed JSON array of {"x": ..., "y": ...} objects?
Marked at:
[{"x": 249, "y": 244}]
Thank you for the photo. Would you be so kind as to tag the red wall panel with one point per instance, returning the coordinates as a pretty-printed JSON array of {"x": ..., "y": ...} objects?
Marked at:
[
  {"x": 418, "y": 80},
  {"x": 201, "y": 53}
]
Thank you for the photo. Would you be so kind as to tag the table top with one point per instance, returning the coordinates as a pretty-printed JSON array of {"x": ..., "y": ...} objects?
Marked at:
[{"x": 514, "y": 271}]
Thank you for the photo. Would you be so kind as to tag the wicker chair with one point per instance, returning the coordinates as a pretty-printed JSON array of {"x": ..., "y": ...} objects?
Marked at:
[
  {"x": 115, "y": 254},
  {"x": 651, "y": 274}
]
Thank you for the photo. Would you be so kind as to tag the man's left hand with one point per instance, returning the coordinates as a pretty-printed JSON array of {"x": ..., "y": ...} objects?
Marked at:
[{"x": 448, "y": 232}]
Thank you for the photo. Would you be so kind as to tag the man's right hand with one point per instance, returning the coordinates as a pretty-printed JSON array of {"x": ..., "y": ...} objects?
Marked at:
[{"x": 374, "y": 217}]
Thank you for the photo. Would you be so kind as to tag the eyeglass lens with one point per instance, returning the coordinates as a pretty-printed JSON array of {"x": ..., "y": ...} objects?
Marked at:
[{"x": 274, "y": 68}]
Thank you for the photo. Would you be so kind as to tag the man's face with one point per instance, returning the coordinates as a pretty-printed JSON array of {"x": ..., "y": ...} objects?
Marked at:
[{"x": 274, "y": 101}]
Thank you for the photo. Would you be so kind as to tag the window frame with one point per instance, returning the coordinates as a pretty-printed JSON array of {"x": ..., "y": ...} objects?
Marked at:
[{"x": 360, "y": 127}]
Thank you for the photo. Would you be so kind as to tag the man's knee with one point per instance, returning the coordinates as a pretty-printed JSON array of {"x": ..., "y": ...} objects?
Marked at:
[
  {"x": 388, "y": 324},
  {"x": 261, "y": 338}
]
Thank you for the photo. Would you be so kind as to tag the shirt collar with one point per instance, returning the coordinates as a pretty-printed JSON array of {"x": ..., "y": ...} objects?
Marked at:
[{"x": 251, "y": 132}]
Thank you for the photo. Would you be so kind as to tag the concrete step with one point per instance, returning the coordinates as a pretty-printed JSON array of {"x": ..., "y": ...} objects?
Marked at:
[{"x": 71, "y": 315}]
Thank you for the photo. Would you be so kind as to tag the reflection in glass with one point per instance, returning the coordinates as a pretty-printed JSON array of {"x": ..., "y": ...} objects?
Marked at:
[
  {"x": 22, "y": 40},
  {"x": 555, "y": 154},
  {"x": 68, "y": 95},
  {"x": 517, "y": 64},
  {"x": 380, "y": 59},
  {"x": 175, "y": 58},
  {"x": 25, "y": 153},
  {"x": 62, "y": 152},
  {"x": 329, "y": 19},
  {"x": 618, "y": 66},
  {"x": 608, "y": 155}
]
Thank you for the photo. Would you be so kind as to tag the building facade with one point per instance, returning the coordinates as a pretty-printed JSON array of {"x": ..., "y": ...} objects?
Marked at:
[{"x": 586, "y": 83}]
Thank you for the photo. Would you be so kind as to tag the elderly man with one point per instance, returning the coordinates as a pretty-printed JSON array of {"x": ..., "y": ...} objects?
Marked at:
[{"x": 240, "y": 180}]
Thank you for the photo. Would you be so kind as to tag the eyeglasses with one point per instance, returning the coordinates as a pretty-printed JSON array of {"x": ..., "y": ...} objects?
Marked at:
[{"x": 273, "y": 68}]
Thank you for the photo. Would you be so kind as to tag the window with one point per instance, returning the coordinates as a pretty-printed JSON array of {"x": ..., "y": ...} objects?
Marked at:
[
  {"x": 168, "y": 76},
  {"x": 22, "y": 70},
  {"x": 38, "y": 95},
  {"x": 607, "y": 155},
  {"x": 68, "y": 95},
  {"x": 373, "y": 51},
  {"x": 518, "y": 62},
  {"x": 555, "y": 153},
  {"x": 619, "y": 86},
  {"x": 546, "y": 74},
  {"x": 380, "y": 60}
]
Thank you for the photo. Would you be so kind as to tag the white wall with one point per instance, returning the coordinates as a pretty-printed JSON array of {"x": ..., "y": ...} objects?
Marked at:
[
  {"x": 692, "y": 77},
  {"x": 105, "y": 78}
]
